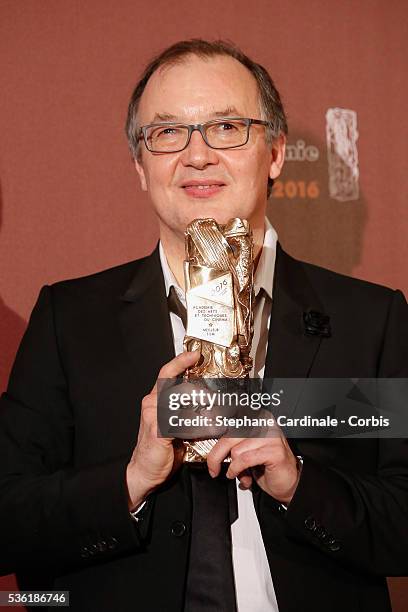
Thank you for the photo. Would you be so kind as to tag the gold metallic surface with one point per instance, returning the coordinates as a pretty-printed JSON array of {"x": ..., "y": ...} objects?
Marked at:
[{"x": 218, "y": 274}]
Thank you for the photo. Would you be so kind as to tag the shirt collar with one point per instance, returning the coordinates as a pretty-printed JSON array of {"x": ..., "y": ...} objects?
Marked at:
[
  {"x": 266, "y": 265},
  {"x": 264, "y": 271},
  {"x": 169, "y": 278}
]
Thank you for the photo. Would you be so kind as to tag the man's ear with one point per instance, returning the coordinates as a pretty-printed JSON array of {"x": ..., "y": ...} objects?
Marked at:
[
  {"x": 278, "y": 156},
  {"x": 141, "y": 173}
]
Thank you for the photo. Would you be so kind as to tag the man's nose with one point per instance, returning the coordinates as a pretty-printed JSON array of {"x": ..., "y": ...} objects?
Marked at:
[{"x": 198, "y": 153}]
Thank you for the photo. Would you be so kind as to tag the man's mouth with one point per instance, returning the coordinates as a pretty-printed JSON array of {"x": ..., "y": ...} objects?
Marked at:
[
  {"x": 200, "y": 186},
  {"x": 202, "y": 189}
]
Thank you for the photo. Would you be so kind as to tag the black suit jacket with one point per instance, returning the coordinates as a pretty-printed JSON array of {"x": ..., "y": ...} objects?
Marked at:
[{"x": 69, "y": 422}]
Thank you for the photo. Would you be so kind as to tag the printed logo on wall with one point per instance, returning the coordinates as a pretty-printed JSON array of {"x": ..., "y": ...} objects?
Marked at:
[
  {"x": 342, "y": 156},
  {"x": 342, "y": 162}
]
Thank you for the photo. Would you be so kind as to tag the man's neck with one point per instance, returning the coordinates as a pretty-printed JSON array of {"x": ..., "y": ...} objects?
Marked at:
[{"x": 174, "y": 250}]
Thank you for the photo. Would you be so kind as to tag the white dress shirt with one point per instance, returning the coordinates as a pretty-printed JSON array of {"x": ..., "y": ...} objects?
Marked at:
[{"x": 253, "y": 580}]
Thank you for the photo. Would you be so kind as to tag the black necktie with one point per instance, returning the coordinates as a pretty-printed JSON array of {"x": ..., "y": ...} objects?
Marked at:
[
  {"x": 210, "y": 583},
  {"x": 176, "y": 306}
]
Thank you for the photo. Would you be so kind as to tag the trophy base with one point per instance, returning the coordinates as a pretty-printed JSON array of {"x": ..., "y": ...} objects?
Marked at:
[{"x": 196, "y": 451}]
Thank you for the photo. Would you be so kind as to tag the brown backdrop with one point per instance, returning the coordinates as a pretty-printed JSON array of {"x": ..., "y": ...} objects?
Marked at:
[{"x": 69, "y": 199}]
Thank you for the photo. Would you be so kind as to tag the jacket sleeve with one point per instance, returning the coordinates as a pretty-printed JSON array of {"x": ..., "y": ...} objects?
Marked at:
[
  {"x": 52, "y": 513},
  {"x": 361, "y": 519}
]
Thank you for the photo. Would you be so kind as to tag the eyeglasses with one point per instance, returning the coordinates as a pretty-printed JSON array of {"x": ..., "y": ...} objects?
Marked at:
[{"x": 218, "y": 134}]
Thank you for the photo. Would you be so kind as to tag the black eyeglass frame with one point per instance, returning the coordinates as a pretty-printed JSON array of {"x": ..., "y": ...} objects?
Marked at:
[{"x": 200, "y": 127}]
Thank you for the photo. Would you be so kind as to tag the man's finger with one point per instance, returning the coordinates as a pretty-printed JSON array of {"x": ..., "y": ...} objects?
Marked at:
[
  {"x": 235, "y": 446},
  {"x": 248, "y": 459},
  {"x": 245, "y": 480},
  {"x": 177, "y": 365},
  {"x": 220, "y": 451}
]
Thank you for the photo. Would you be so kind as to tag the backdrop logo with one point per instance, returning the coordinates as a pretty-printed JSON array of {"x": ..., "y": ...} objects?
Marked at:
[{"x": 342, "y": 156}]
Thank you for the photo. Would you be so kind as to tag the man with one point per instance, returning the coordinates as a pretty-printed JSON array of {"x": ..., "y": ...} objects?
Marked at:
[{"x": 92, "y": 501}]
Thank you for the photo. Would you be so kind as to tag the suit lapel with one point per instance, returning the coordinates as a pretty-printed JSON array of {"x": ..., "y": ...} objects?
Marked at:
[
  {"x": 145, "y": 321},
  {"x": 291, "y": 352}
]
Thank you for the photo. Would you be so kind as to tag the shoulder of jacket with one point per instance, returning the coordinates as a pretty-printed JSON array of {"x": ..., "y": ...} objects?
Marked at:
[
  {"x": 110, "y": 280},
  {"x": 325, "y": 278}
]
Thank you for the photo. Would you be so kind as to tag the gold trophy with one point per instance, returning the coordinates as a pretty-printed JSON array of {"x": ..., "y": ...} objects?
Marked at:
[{"x": 218, "y": 274}]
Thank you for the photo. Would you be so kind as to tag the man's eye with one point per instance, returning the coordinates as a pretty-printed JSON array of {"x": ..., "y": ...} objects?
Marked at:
[
  {"x": 227, "y": 126},
  {"x": 166, "y": 132}
]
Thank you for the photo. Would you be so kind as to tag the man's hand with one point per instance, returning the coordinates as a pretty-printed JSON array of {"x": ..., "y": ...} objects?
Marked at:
[
  {"x": 154, "y": 459},
  {"x": 269, "y": 460}
]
